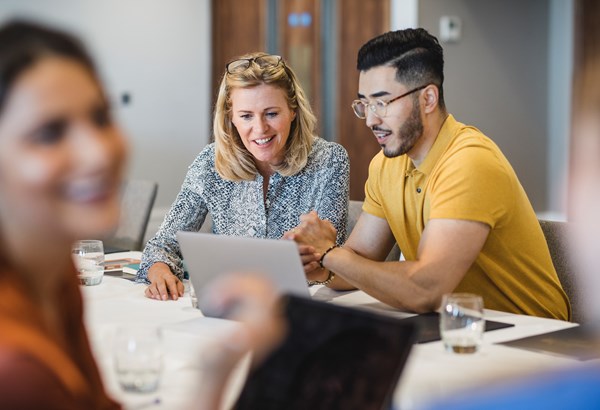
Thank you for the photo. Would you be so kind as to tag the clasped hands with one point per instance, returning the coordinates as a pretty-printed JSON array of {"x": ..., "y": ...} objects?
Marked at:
[{"x": 313, "y": 236}]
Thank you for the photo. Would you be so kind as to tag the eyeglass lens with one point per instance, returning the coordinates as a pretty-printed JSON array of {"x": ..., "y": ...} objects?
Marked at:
[
  {"x": 242, "y": 65},
  {"x": 359, "y": 109},
  {"x": 376, "y": 107}
]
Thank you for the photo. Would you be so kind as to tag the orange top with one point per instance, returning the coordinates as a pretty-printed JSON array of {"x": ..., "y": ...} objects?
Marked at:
[{"x": 36, "y": 370}]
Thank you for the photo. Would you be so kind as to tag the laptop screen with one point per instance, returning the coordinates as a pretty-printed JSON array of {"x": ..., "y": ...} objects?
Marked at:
[{"x": 333, "y": 357}]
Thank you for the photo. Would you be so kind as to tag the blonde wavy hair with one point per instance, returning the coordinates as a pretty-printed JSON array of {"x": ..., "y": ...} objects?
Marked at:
[{"x": 232, "y": 160}]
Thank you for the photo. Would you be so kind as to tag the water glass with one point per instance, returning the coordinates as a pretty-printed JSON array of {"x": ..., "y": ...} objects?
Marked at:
[
  {"x": 461, "y": 322},
  {"x": 138, "y": 358},
  {"x": 88, "y": 256}
]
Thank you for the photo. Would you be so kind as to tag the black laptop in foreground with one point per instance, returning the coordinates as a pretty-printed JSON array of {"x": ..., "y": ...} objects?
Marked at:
[{"x": 333, "y": 357}]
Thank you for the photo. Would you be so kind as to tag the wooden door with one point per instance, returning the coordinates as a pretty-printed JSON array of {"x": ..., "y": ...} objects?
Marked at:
[
  {"x": 302, "y": 28},
  {"x": 358, "y": 21},
  {"x": 238, "y": 27},
  {"x": 299, "y": 43}
]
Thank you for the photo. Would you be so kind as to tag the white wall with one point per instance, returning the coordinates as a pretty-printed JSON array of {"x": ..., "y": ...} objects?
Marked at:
[
  {"x": 159, "y": 52},
  {"x": 404, "y": 14},
  {"x": 497, "y": 79},
  {"x": 560, "y": 74},
  {"x": 536, "y": 139}
]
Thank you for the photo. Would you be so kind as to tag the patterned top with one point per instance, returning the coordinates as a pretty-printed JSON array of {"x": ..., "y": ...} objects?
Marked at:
[{"x": 238, "y": 208}]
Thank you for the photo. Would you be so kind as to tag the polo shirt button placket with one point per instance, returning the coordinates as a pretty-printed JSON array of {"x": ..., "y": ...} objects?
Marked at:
[{"x": 418, "y": 190}]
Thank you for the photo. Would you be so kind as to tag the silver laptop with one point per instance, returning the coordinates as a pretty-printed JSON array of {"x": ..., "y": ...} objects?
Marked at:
[{"x": 208, "y": 256}]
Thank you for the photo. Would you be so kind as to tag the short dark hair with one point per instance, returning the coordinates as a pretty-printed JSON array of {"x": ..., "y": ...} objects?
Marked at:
[
  {"x": 24, "y": 43},
  {"x": 416, "y": 55}
]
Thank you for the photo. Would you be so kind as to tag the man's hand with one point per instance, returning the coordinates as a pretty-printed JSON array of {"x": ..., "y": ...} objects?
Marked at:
[
  {"x": 310, "y": 259},
  {"x": 163, "y": 283}
]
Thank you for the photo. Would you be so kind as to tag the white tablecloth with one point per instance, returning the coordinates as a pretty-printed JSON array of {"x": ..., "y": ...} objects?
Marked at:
[{"x": 430, "y": 374}]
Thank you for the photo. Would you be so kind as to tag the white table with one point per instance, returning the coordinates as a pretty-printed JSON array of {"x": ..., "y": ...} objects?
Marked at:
[{"x": 430, "y": 374}]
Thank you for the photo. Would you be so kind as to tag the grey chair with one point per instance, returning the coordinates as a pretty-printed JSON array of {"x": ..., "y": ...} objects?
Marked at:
[
  {"x": 354, "y": 211},
  {"x": 207, "y": 224},
  {"x": 556, "y": 234},
  {"x": 136, "y": 205}
]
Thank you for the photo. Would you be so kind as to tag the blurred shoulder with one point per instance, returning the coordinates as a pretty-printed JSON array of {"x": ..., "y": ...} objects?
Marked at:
[{"x": 23, "y": 378}]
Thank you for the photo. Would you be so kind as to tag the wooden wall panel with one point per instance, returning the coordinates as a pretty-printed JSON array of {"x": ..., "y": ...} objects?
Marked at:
[
  {"x": 238, "y": 27},
  {"x": 300, "y": 44},
  {"x": 358, "y": 21}
]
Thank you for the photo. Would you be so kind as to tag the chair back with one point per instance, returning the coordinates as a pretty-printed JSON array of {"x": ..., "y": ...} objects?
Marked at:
[
  {"x": 207, "y": 225},
  {"x": 354, "y": 211},
  {"x": 136, "y": 204},
  {"x": 556, "y": 234}
]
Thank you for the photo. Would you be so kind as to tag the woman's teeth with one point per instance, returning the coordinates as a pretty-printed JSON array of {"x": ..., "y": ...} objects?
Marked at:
[
  {"x": 263, "y": 141},
  {"x": 85, "y": 192}
]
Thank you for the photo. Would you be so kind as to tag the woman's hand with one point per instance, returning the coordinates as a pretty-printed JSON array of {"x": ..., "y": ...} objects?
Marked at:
[
  {"x": 163, "y": 283},
  {"x": 314, "y": 232}
]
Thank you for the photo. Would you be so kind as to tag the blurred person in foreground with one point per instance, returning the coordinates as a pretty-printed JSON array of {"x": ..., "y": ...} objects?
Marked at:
[
  {"x": 266, "y": 167},
  {"x": 439, "y": 188},
  {"x": 61, "y": 166}
]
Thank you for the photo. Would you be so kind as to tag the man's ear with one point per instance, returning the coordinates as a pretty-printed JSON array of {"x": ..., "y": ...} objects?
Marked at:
[{"x": 431, "y": 94}]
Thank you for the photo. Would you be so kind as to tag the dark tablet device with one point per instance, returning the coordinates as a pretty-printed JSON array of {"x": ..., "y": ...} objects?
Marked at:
[{"x": 333, "y": 357}]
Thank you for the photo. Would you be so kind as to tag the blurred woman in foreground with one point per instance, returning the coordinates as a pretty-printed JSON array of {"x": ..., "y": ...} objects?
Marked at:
[{"x": 61, "y": 165}]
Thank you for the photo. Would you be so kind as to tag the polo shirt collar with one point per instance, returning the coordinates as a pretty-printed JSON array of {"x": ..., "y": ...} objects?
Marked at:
[{"x": 442, "y": 140}]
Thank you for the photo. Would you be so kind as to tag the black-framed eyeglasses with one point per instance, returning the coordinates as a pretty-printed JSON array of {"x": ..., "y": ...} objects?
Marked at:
[
  {"x": 241, "y": 65},
  {"x": 378, "y": 107}
]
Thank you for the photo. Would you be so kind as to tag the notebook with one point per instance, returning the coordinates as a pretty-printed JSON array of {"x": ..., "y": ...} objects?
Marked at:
[
  {"x": 429, "y": 326},
  {"x": 333, "y": 357},
  {"x": 208, "y": 256}
]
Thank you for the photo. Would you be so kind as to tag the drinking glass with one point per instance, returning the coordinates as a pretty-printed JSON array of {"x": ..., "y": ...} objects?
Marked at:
[
  {"x": 138, "y": 358},
  {"x": 462, "y": 322},
  {"x": 89, "y": 257}
]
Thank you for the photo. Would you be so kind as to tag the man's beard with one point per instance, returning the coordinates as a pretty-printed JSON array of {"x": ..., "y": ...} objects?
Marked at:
[{"x": 408, "y": 134}]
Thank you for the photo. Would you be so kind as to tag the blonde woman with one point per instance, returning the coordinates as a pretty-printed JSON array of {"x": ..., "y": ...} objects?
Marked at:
[{"x": 265, "y": 169}]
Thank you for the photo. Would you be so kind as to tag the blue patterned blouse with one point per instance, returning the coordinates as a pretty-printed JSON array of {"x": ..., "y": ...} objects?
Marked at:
[{"x": 238, "y": 209}]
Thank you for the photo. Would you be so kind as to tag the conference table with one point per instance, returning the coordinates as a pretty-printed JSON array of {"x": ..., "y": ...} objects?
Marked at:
[{"x": 430, "y": 374}]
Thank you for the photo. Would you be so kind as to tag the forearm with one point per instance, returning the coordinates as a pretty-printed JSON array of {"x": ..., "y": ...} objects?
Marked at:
[
  {"x": 334, "y": 196},
  {"x": 402, "y": 285},
  {"x": 337, "y": 283},
  {"x": 187, "y": 213},
  {"x": 210, "y": 394},
  {"x": 164, "y": 253}
]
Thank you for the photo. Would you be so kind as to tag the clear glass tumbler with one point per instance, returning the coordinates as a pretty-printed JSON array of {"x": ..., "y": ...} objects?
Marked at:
[
  {"x": 138, "y": 356},
  {"x": 88, "y": 256},
  {"x": 461, "y": 322}
]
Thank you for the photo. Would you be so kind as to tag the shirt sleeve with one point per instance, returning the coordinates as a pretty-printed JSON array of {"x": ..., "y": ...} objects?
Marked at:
[
  {"x": 334, "y": 201},
  {"x": 474, "y": 184},
  {"x": 372, "y": 203},
  {"x": 186, "y": 214}
]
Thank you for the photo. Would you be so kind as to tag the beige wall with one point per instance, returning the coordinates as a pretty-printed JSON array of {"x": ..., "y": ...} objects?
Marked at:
[
  {"x": 158, "y": 51},
  {"x": 498, "y": 79}
]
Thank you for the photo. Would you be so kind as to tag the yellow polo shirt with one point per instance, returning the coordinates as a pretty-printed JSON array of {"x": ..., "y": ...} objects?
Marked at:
[{"x": 466, "y": 176}]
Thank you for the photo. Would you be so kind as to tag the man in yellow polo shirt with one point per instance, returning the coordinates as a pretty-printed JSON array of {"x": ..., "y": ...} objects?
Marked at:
[{"x": 442, "y": 190}]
